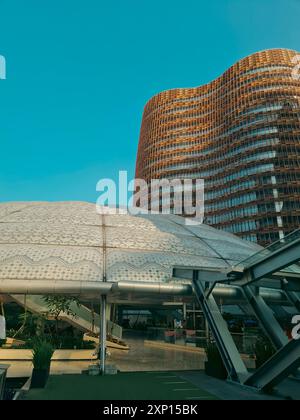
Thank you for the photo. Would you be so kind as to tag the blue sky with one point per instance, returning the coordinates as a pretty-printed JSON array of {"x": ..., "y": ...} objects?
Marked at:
[{"x": 80, "y": 72}]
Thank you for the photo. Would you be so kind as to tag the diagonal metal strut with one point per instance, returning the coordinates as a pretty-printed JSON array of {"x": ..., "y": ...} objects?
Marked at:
[
  {"x": 280, "y": 366},
  {"x": 232, "y": 360}
]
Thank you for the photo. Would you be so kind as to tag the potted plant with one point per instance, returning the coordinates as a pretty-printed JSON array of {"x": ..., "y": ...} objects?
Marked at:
[
  {"x": 263, "y": 351},
  {"x": 42, "y": 354},
  {"x": 214, "y": 366},
  {"x": 170, "y": 336}
]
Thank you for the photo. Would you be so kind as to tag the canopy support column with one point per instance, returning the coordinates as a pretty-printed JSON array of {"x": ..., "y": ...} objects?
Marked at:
[{"x": 103, "y": 334}]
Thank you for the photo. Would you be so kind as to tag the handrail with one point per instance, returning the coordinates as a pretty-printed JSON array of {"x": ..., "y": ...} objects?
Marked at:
[{"x": 266, "y": 252}]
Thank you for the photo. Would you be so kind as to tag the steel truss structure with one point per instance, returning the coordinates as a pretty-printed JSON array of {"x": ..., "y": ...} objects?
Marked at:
[
  {"x": 71, "y": 249},
  {"x": 274, "y": 266}
]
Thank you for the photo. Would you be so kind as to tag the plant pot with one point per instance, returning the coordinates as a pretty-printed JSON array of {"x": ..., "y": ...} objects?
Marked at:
[
  {"x": 39, "y": 378},
  {"x": 170, "y": 337},
  {"x": 216, "y": 370}
]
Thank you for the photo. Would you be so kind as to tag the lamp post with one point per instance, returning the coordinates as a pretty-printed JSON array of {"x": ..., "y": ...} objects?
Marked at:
[{"x": 103, "y": 334}]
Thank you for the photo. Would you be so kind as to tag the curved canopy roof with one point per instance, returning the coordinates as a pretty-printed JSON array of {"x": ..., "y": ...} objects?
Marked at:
[{"x": 73, "y": 242}]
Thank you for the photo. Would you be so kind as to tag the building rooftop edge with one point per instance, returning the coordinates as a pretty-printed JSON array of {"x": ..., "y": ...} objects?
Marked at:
[{"x": 222, "y": 74}]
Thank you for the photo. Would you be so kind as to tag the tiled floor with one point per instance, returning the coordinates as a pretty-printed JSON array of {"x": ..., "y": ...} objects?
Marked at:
[
  {"x": 143, "y": 358},
  {"x": 139, "y": 358}
]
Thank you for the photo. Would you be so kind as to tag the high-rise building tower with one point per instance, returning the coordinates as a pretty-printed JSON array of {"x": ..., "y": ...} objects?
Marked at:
[{"x": 241, "y": 134}]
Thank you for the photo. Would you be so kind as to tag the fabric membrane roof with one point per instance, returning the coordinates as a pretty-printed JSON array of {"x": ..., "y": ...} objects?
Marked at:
[{"x": 72, "y": 241}]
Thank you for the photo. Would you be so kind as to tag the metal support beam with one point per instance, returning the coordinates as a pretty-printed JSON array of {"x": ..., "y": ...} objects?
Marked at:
[
  {"x": 290, "y": 283},
  {"x": 103, "y": 334},
  {"x": 276, "y": 261},
  {"x": 232, "y": 360},
  {"x": 184, "y": 311},
  {"x": 280, "y": 366},
  {"x": 294, "y": 299},
  {"x": 265, "y": 316}
]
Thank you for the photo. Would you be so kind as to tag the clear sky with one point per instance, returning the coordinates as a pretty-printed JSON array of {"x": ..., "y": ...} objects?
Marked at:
[{"x": 80, "y": 72}]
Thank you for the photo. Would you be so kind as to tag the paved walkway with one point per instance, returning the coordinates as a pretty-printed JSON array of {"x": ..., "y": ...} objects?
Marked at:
[
  {"x": 228, "y": 391},
  {"x": 189, "y": 366},
  {"x": 157, "y": 386}
]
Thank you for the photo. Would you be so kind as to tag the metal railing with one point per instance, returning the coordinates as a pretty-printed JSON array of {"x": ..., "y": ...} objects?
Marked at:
[
  {"x": 265, "y": 252},
  {"x": 85, "y": 319},
  {"x": 114, "y": 330},
  {"x": 245, "y": 342}
]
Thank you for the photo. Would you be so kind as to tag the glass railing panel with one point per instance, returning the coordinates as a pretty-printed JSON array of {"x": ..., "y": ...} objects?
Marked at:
[{"x": 265, "y": 252}]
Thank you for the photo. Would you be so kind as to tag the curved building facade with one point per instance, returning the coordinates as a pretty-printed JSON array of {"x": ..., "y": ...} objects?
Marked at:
[{"x": 240, "y": 133}]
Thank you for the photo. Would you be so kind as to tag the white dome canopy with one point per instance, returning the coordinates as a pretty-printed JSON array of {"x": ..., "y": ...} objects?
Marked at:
[{"x": 72, "y": 242}]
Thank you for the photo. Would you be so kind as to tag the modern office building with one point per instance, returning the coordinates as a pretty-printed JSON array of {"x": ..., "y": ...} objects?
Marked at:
[{"x": 240, "y": 133}]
